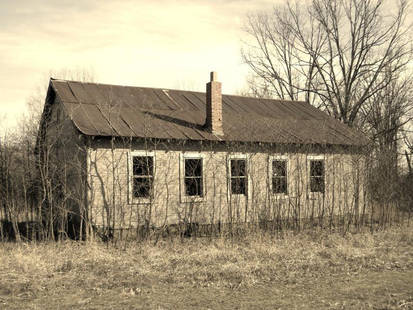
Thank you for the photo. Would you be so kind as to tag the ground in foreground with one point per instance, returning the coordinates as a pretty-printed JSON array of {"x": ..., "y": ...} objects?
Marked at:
[{"x": 317, "y": 271}]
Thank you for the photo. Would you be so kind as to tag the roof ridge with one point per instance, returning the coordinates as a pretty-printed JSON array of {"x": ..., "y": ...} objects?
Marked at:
[{"x": 180, "y": 90}]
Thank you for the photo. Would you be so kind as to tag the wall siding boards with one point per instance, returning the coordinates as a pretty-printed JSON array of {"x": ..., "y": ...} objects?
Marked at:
[{"x": 110, "y": 198}]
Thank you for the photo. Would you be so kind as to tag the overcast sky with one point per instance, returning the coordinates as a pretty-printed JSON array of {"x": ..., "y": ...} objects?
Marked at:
[{"x": 162, "y": 43}]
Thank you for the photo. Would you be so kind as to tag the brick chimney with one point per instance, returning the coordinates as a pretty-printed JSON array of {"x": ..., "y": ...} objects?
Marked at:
[{"x": 214, "y": 106}]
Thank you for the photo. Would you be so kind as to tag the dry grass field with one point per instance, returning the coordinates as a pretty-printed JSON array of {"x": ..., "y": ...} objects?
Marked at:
[{"x": 317, "y": 271}]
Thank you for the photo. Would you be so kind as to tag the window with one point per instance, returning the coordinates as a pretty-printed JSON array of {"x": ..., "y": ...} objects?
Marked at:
[
  {"x": 317, "y": 176},
  {"x": 193, "y": 177},
  {"x": 238, "y": 176},
  {"x": 279, "y": 177},
  {"x": 142, "y": 168}
]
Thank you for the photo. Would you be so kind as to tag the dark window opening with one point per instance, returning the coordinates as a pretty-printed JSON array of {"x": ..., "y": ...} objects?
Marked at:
[
  {"x": 238, "y": 177},
  {"x": 279, "y": 177},
  {"x": 142, "y": 187},
  {"x": 238, "y": 186},
  {"x": 193, "y": 177},
  {"x": 142, "y": 176},
  {"x": 317, "y": 176}
]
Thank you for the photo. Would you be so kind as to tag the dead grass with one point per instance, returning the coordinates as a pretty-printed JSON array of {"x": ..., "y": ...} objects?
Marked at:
[{"x": 320, "y": 270}]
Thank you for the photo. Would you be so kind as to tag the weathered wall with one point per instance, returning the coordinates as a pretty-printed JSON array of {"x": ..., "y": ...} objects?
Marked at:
[
  {"x": 110, "y": 199},
  {"x": 63, "y": 166}
]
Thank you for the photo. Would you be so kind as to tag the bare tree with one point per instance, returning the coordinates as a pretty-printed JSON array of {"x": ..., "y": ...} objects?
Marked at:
[
  {"x": 352, "y": 59},
  {"x": 408, "y": 153},
  {"x": 334, "y": 53},
  {"x": 386, "y": 115},
  {"x": 29, "y": 178},
  {"x": 274, "y": 57}
]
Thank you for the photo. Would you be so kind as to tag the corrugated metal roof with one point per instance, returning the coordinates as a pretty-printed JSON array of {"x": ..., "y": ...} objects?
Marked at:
[{"x": 111, "y": 110}]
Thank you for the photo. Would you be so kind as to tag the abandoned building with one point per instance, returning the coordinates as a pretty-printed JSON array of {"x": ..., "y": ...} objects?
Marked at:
[{"x": 135, "y": 155}]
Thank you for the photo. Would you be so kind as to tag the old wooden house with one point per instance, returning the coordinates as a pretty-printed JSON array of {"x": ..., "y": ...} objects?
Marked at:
[{"x": 131, "y": 156}]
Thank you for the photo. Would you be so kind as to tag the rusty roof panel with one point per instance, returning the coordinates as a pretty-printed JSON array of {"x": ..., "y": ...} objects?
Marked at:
[
  {"x": 267, "y": 109},
  {"x": 98, "y": 120},
  {"x": 129, "y": 98},
  {"x": 182, "y": 123},
  {"x": 178, "y": 100},
  {"x": 144, "y": 99},
  {"x": 165, "y": 100},
  {"x": 80, "y": 119},
  {"x": 238, "y": 108},
  {"x": 109, "y": 95},
  {"x": 200, "y": 97},
  {"x": 114, "y": 118},
  {"x": 96, "y": 96},
  {"x": 115, "y": 96},
  {"x": 138, "y": 122},
  {"x": 193, "y": 102},
  {"x": 200, "y": 104},
  {"x": 80, "y": 93},
  {"x": 152, "y": 100},
  {"x": 169, "y": 102},
  {"x": 308, "y": 111},
  {"x": 160, "y": 113},
  {"x": 64, "y": 92}
]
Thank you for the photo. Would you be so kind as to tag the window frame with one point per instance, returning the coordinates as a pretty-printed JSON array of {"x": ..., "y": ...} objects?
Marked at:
[
  {"x": 132, "y": 198},
  {"x": 271, "y": 159},
  {"x": 311, "y": 158},
  {"x": 183, "y": 197},
  {"x": 238, "y": 156}
]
